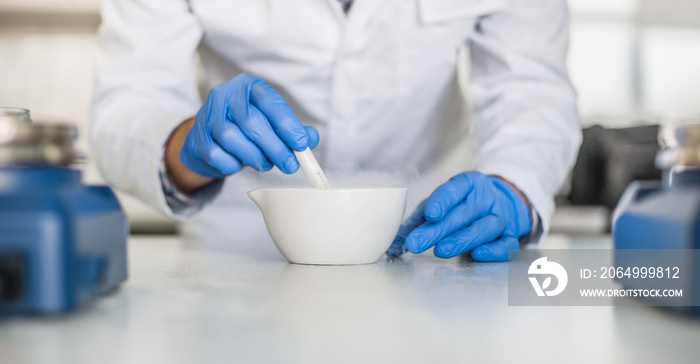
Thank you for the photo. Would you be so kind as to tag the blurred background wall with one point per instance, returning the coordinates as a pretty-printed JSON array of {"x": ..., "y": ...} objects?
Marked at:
[{"x": 633, "y": 62}]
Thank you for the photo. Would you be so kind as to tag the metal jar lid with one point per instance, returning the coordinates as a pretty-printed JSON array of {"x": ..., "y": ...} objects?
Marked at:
[
  {"x": 25, "y": 143},
  {"x": 680, "y": 146}
]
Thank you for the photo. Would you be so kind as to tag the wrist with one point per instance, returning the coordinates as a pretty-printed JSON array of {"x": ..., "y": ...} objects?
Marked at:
[
  {"x": 184, "y": 178},
  {"x": 520, "y": 202}
]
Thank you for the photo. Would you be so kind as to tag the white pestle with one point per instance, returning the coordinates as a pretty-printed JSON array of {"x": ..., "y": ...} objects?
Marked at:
[{"x": 312, "y": 170}]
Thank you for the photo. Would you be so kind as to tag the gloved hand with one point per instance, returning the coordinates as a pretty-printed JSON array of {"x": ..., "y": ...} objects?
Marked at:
[
  {"x": 470, "y": 212},
  {"x": 245, "y": 122}
]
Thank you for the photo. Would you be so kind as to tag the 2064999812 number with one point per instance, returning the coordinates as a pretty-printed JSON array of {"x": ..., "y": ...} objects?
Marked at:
[{"x": 640, "y": 272}]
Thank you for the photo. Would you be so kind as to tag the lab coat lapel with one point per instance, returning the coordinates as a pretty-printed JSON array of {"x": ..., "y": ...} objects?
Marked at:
[
  {"x": 337, "y": 10},
  {"x": 361, "y": 12}
]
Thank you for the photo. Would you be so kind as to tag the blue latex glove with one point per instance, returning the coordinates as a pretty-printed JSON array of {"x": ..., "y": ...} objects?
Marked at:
[
  {"x": 470, "y": 212},
  {"x": 245, "y": 122}
]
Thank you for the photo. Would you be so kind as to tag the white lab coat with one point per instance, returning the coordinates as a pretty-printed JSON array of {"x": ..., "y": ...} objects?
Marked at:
[{"x": 379, "y": 85}]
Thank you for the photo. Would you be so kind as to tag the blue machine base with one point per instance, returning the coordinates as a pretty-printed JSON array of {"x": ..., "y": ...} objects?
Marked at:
[
  {"x": 650, "y": 216},
  {"x": 61, "y": 243}
]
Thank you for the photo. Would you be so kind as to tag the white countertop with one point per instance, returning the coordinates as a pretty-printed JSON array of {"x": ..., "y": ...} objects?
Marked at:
[{"x": 188, "y": 304}]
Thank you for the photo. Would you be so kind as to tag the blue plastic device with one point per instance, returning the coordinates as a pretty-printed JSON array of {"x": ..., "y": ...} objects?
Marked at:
[
  {"x": 664, "y": 215},
  {"x": 61, "y": 243}
]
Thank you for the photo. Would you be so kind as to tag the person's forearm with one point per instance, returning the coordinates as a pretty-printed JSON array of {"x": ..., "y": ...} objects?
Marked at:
[{"x": 185, "y": 179}]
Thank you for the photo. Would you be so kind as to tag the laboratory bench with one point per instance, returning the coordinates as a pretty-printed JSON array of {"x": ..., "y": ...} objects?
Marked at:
[{"x": 189, "y": 303}]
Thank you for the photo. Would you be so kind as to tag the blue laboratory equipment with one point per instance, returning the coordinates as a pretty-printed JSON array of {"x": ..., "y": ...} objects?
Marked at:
[
  {"x": 61, "y": 243},
  {"x": 664, "y": 216}
]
